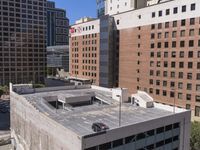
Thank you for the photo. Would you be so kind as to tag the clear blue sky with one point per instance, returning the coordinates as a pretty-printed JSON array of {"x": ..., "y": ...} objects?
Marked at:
[{"x": 77, "y": 8}]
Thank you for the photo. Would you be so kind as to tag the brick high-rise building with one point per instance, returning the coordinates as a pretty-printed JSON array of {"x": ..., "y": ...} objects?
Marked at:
[
  {"x": 22, "y": 41},
  {"x": 92, "y": 56},
  {"x": 159, "y": 52},
  {"x": 158, "y": 49}
]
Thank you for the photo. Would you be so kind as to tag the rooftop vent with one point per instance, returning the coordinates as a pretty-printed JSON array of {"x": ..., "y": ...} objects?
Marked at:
[{"x": 142, "y": 99}]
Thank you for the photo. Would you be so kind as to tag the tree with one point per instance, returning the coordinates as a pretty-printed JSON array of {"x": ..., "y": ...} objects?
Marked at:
[
  {"x": 195, "y": 136},
  {"x": 1, "y": 91},
  {"x": 38, "y": 85}
]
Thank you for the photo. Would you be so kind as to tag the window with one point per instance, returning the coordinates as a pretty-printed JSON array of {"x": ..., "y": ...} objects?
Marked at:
[
  {"x": 181, "y": 64},
  {"x": 183, "y": 22},
  {"x": 117, "y": 22},
  {"x": 166, "y": 34},
  {"x": 197, "y": 98},
  {"x": 174, "y": 23},
  {"x": 160, "y": 13},
  {"x": 189, "y": 76},
  {"x": 198, "y": 87},
  {"x": 192, "y": 21},
  {"x": 180, "y": 75},
  {"x": 159, "y": 35},
  {"x": 188, "y": 97},
  {"x": 117, "y": 143},
  {"x": 160, "y": 26},
  {"x": 164, "y": 83},
  {"x": 159, "y": 130},
  {"x": 129, "y": 139},
  {"x": 166, "y": 44},
  {"x": 172, "y": 74},
  {"x": 180, "y": 85},
  {"x": 198, "y": 65},
  {"x": 166, "y": 24},
  {"x": 180, "y": 96},
  {"x": 151, "y": 82},
  {"x": 167, "y": 11},
  {"x": 152, "y": 54},
  {"x": 184, "y": 8},
  {"x": 190, "y": 65},
  {"x": 159, "y": 45},
  {"x": 172, "y": 84},
  {"x": 189, "y": 86},
  {"x": 152, "y": 45},
  {"x": 198, "y": 76},
  {"x": 175, "y": 10},
  {"x": 105, "y": 146},
  {"x": 191, "y": 43},
  {"x": 173, "y": 44},
  {"x": 191, "y": 32},
  {"x": 174, "y": 34},
  {"x": 188, "y": 106},
  {"x": 173, "y": 64},
  {"x": 158, "y": 54},
  {"x": 140, "y": 136},
  {"x": 182, "y": 43},
  {"x": 181, "y": 54},
  {"x": 153, "y": 26},
  {"x": 157, "y": 92},
  {"x": 165, "y": 54},
  {"x": 198, "y": 54},
  {"x": 193, "y": 7},
  {"x": 172, "y": 94},
  {"x": 153, "y": 14},
  {"x": 197, "y": 111},
  {"x": 173, "y": 54},
  {"x": 164, "y": 73},
  {"x": 182, "y": 33},
  {"x": 152, "y": 35}
]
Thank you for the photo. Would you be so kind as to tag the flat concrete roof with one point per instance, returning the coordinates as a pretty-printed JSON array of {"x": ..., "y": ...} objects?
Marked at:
[{"x": 80, "y": 119}]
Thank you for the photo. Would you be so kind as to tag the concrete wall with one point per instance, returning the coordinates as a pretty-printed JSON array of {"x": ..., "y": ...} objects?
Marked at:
[
  {"x": 115, "y": 134},
  {"x": 32, "y": 130}
]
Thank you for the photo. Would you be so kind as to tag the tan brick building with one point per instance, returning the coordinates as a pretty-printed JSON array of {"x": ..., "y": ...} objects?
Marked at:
[
  {"x": 157, "y": 50},
  {"x": 84, "y": 51}
]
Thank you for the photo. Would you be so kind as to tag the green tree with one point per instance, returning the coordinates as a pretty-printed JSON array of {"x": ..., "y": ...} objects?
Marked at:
[
  {"x": 1, "y": 91},
  {"x": 38, "y": 85},
  {"x": 195, "y": 136}
]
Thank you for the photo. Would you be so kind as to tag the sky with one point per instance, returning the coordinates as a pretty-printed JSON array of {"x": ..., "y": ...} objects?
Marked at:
[{"x": 77, "y": 9}]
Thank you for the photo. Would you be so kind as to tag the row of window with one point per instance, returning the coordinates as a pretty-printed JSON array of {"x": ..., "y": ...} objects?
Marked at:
[
  {"x": 86, "y": 36},
  {"x": 175, "y": 10},
  {"x": 171, "y": 94},
  {"x": 140, "y": 136},
  {"x": 174, "y": 34},
  {"x": 165, "y": 64},
  {"x": 85, "y": 49},
  {"x": 173, "y": 85},
  {"x": 174, "y": 24},
  {"x": 182, "y": 44},
  {"x": 87, "y": 28},
  {"x": 173, "y": 74},
  {"x": 173, "y": 54}
]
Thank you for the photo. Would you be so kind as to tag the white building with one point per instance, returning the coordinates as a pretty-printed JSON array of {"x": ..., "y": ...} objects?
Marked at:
[
  {"x": 62, "y": 118},
  {"x": 117, "y": 6}
]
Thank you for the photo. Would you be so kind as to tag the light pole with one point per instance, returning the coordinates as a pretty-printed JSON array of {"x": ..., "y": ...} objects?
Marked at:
[
  {"x": 120, "y": 109},
  {"x": 174, "y": 89}
]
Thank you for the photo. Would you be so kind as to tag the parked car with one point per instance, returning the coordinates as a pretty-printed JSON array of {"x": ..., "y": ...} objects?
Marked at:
[{"x": 99, "y": 127}]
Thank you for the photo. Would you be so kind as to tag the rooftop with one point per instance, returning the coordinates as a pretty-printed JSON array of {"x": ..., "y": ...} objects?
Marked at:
[{"x": 79, "y": 119}]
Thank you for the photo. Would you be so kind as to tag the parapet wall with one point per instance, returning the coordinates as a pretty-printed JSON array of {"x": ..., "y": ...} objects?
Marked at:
[{"x": 33, "y": 130}]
